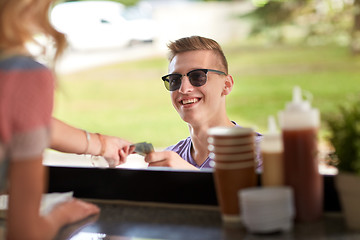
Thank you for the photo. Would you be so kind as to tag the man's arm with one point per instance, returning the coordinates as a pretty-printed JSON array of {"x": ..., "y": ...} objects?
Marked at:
[{"x": 168, "y": 159}]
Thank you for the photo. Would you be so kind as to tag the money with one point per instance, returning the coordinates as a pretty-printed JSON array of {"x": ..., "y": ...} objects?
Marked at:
[{"x": 143, "y": 148}]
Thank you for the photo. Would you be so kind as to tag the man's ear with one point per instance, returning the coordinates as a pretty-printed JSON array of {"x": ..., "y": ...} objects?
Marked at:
[{"x": 229, "y": 83}]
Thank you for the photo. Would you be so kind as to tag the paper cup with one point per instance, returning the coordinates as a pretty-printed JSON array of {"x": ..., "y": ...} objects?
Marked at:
[
  {"x": 234, "y": 165},
  {"x": 230, "y": 149},
  {"x": 230, "y": 132},
  {"x": 229, "y": 179},
  {"x": 231, "y": 141},
  {"x": 232, "y": 157}
]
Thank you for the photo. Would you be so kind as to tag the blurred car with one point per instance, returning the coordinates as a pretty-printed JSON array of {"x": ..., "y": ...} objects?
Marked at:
[{"x": 103, "y": 24}]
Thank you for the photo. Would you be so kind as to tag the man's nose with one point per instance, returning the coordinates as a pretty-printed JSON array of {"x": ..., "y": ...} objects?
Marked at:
[{"x": 185, "y": 86}]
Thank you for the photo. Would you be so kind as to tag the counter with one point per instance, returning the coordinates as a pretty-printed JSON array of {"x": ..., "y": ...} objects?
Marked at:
[
  {"x": 131, "y": 220},
  {"x": 123, "y": 220},
  {"x": 158, "y": 204},
  {"x": 170, "y": 205}
]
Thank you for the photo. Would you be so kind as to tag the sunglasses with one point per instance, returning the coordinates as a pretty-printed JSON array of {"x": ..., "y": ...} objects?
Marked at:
[{"x": 197, "y": 78}]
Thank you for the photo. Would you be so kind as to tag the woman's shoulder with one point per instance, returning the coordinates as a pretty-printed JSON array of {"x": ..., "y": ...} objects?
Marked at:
[{"x": 19, "y": 62}]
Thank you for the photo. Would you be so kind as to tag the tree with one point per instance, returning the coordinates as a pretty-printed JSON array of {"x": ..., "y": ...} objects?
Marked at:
[
  {"x": 125, "y": 2},
  {"x": 355, "y": 34}
]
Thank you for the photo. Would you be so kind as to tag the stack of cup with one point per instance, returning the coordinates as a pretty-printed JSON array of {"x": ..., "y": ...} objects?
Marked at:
[
  {"x": 267, "y": 209},
  {"x": 233, "y": 152}
]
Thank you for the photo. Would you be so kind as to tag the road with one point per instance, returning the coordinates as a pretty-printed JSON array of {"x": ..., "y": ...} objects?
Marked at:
[{"x": 73, "y": 61}]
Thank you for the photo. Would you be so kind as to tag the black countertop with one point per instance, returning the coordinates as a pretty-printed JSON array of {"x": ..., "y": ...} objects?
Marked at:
[
  {"x": 156, "y": 204},
  {"x": 133, "y": 220}
]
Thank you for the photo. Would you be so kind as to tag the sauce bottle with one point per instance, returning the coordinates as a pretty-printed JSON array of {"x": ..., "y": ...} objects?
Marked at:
[
  {"x": 299, "y": 125},
  {"x": 272, "y": 156}
]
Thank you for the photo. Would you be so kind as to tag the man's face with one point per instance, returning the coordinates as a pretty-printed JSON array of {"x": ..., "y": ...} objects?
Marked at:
[{"x": 197, "y": 105}]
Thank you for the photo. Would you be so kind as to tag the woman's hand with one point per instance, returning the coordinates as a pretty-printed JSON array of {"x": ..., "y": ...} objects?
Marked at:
[{"x": 116, "y": 150}]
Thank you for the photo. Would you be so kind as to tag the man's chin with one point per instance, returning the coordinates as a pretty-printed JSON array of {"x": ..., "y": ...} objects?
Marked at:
[{"x": 191, "y": 120}]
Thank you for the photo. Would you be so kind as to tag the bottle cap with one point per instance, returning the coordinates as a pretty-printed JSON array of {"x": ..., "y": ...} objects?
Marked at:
[
  {"x": 272, "y": 141},
  {"x": 272, "y": 128},
  {"x": 298, "y": 104},
  {"x": 298, "y": 114}
]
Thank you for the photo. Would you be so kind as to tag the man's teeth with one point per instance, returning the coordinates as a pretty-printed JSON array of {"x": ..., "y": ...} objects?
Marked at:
[{"x": 189, "y": 101}]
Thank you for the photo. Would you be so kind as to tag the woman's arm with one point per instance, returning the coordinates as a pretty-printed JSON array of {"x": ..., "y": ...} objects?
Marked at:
[
  {"x": 27, "y": 178},
  {"x": 69, "y": 139}
]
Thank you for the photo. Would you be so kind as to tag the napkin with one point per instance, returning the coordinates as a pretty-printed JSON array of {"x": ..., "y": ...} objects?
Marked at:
[{"x": 48, "y": 202}]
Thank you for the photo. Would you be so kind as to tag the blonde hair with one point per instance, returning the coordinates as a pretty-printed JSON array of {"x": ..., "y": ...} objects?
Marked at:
[
  {"x": 20, "y": 20},
  {"x": 195, "y": 43}
]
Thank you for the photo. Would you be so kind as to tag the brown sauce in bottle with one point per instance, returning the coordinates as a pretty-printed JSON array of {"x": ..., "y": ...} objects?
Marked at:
[
  {"x": 272, "y": 174},
  {"x": 301, "y": 172}
]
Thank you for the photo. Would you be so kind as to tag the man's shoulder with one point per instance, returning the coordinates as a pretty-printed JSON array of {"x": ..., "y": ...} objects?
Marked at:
[
  {"x": 258, "y": 135},
  {"x": 180, "y": 145}
]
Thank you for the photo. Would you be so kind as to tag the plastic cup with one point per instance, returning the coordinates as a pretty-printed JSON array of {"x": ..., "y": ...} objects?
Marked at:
[{"x": 267, "y": 209}]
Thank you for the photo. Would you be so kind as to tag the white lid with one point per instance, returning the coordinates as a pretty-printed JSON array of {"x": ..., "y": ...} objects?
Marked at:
[
  {"x": 297, "y": 104},
  {"x": 298, "y": 113}
]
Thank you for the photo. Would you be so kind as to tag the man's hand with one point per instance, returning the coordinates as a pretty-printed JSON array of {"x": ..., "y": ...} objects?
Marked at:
[{"x": 168, "y": 159}]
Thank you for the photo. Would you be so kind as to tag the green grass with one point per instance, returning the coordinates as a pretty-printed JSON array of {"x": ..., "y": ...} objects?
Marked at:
[{"x": 129, "y": 100}]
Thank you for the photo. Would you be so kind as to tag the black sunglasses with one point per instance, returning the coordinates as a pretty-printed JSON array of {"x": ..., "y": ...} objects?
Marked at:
[{"x": 197, "y": 78}]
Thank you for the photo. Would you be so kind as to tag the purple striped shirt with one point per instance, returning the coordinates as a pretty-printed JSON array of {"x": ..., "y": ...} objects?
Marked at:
[{"x": 183, "y": 148}]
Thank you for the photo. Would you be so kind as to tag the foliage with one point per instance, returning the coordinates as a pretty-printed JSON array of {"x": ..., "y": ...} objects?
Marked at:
[
  {"x": 355, "y": 34},
  {"x": 125, "y": 2},
  {"x": 312, "y": 22},
  {"x": 274, "y": 13},
  {"x": 345, "y": 137}
]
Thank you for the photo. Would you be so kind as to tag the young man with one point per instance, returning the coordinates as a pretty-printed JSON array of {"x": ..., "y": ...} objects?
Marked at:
[{"x": 198, "y": 83}]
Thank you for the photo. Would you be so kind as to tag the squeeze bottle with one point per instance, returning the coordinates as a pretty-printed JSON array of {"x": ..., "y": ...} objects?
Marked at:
[
  {"x": 299, "y": 124},
  {"x": 272, "y": 156}
]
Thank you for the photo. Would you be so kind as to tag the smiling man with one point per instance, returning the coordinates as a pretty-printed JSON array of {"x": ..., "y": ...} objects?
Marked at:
[{"x": 198, "y": 82}]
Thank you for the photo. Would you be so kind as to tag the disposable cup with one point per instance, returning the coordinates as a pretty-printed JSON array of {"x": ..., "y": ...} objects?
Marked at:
[
  {"x": 234, "y": 165},
  {"x": 267, "y": 209},
  {"x": 229, "y": 132},
  {"x": 231, "y": 141},
  {"x": 230, "y": 149},
  {"x": 232, "y": 157},
  {"x": 230, "y": 136},
  {"x": 229, "y": 179},
  {"x": 266, "y": 194}
]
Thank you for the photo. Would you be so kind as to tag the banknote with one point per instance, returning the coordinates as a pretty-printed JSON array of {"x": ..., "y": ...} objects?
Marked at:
[{"x": 143, "y": 148}]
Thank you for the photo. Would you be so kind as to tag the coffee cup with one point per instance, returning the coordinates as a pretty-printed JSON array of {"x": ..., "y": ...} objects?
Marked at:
[
  {"x": 229, "y": 179},
  {"x": 232, "y": 149}
]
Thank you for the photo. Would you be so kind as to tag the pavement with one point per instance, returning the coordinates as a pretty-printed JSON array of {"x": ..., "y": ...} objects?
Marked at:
[
  {"x": 73, "y": 61},
  {"x": 176, "y": 19}
]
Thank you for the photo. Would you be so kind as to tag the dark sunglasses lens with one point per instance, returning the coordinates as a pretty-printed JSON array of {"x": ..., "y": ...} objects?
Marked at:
[
  {"x": 174, "y": 82},
  {"x": 197, "y": 78}
]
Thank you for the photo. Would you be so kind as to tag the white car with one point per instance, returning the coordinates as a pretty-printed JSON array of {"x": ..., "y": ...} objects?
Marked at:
[{"x": 102, "y": 24}]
